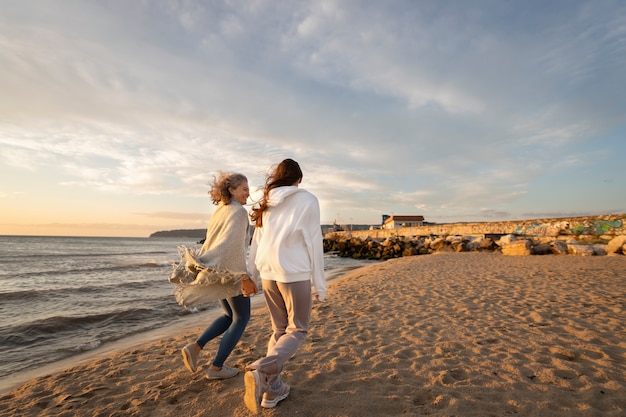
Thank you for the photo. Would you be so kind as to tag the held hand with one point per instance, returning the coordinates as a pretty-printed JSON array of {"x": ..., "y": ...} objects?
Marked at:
[{"x": 248, "y": 287}]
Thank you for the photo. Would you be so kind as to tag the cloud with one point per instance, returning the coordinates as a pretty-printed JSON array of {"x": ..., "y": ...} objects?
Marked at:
[
  {"x": 560, "y": 214},
  {"x": 173, "y": 215},
  {"x": 471, "y": 110}
]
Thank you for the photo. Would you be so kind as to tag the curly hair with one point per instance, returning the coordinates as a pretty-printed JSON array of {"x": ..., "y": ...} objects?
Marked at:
[
  {"x": 286, "y": 173},
  {"x": 219, "y": 189}
]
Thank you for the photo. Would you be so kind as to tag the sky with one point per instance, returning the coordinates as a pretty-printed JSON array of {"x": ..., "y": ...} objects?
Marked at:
[{"x": 116, "y": 115}]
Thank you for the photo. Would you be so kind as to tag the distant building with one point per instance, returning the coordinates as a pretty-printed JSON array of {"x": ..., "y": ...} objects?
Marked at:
[{"x": 394, "y": 222}]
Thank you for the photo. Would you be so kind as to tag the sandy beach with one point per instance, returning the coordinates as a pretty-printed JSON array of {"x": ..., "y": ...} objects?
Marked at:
[{"x": 451, "y": 334}]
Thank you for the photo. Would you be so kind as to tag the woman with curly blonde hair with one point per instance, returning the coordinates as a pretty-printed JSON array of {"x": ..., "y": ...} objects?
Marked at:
[{"x": 224, "y": 249}]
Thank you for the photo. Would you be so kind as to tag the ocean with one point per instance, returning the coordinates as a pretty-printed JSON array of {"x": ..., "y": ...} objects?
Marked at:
[{"x": 63, "y": 296}]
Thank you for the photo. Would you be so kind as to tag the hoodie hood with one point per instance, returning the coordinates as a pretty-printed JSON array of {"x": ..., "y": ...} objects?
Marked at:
[
  {"x": 278, "y": 195},
  {"x": 289, "y": 245}
]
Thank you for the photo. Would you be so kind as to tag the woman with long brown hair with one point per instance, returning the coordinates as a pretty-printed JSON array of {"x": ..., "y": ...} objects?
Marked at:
[{"x": 287, "y": 254}]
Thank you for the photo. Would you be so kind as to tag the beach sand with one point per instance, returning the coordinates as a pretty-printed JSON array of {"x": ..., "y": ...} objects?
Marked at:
[{"x": 453, "y": 334}]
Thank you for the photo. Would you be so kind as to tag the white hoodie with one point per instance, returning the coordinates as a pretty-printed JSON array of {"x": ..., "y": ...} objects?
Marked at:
[{"x": 288, "y": 248}]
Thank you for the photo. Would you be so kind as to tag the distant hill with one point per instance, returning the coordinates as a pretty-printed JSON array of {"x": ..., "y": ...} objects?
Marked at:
[
  {"x": 191, "y": 233},
  {"x": 201, "y": 233},
  {"x": 345, "y": 227}
]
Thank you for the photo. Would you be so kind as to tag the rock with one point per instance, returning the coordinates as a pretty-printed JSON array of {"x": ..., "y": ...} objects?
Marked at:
[
  {"x": 559, "y": 247},
  {"x": 437, "y": 244},
  {"x": 517, "y": 248},
  {"x": 580, "y": 250},
  {"x": 542, "y": 249},
  {"x": 599, "y": 250},
  {"x": 399, "y": 246},
  {"x": 458, "y": 244},
  {"x": 472, "y": 246},
  {"x": 479, "y": 244},
  {"x": 506, "y": 239},
  {"x": 616, "y": 245},
  {"x": 486, "y": 243}
]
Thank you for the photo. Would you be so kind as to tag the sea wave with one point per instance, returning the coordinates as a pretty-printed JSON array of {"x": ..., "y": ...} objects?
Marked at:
[
  {"x": 87, "y": 269},
  {"x": 33, "y": 295},
  {"x": 94, "y": 344},
  {"x": 12, "y": 257},
  {"x": 25, "y": 334},
  {"x": 58, "y": 337}
]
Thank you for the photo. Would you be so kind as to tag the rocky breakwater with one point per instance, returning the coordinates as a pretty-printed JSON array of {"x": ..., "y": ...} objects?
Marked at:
[{"x": 345, "y": 245}]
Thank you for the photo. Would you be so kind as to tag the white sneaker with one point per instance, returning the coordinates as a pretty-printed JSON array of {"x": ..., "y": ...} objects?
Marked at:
[{"x": 270, "y": 399}]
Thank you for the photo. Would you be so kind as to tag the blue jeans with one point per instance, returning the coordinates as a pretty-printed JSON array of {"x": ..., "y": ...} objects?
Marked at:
[{"x": 231, "y": 324}]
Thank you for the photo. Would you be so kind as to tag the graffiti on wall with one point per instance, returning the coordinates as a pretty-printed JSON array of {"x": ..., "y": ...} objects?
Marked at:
[
  {"x": 543, "y": 229},
  {"x": 597, "y": 227}
]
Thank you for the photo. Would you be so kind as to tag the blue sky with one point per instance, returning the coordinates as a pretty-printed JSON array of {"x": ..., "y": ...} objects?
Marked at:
[{"x": 114, "y": 115}]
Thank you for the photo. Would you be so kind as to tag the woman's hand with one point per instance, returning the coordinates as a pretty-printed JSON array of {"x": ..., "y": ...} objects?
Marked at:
[{"x": 248, "y": 287}]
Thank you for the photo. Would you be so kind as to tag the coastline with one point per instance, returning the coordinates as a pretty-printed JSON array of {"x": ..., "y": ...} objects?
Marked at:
[
  {"x": 469, "y": 334},
  {"x": 179, "y": 325},
  {"x": 184, "y": 325}
]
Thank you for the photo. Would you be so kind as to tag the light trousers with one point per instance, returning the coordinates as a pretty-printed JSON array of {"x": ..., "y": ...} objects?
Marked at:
[{"x": 289, "y": 305}]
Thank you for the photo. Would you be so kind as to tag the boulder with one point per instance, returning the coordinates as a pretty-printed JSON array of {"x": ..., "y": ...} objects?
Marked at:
[
  {"x": 458, "y": 244},
  {"x": 599, "y": 249},
  {"x": 616, "y": 245},
  {"x": 517, "y": 248},
  {"x": 559, "y": 247},
  {"x": 437, "y": 244},
  {"x": 506, "y": 239},
  {"x": 542, "y": 249},
  {"x": 580, "y": 250},
  {"x": 479, "y": 244}
]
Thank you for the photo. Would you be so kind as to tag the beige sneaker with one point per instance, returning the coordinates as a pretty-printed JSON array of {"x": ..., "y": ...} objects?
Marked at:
[
  {"x": 254, "y": 382},
  {"x": 270, "y": 399},
  {"x": 224, "y": 373},
  {"x": 190, "y": 357}
]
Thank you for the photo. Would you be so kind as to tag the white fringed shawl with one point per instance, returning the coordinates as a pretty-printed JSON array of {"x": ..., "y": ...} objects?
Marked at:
[{"x": 214, "y": 272}]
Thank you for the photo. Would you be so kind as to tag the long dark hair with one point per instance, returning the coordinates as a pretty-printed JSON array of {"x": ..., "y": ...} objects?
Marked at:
[{"x": 286, "y": 173}]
